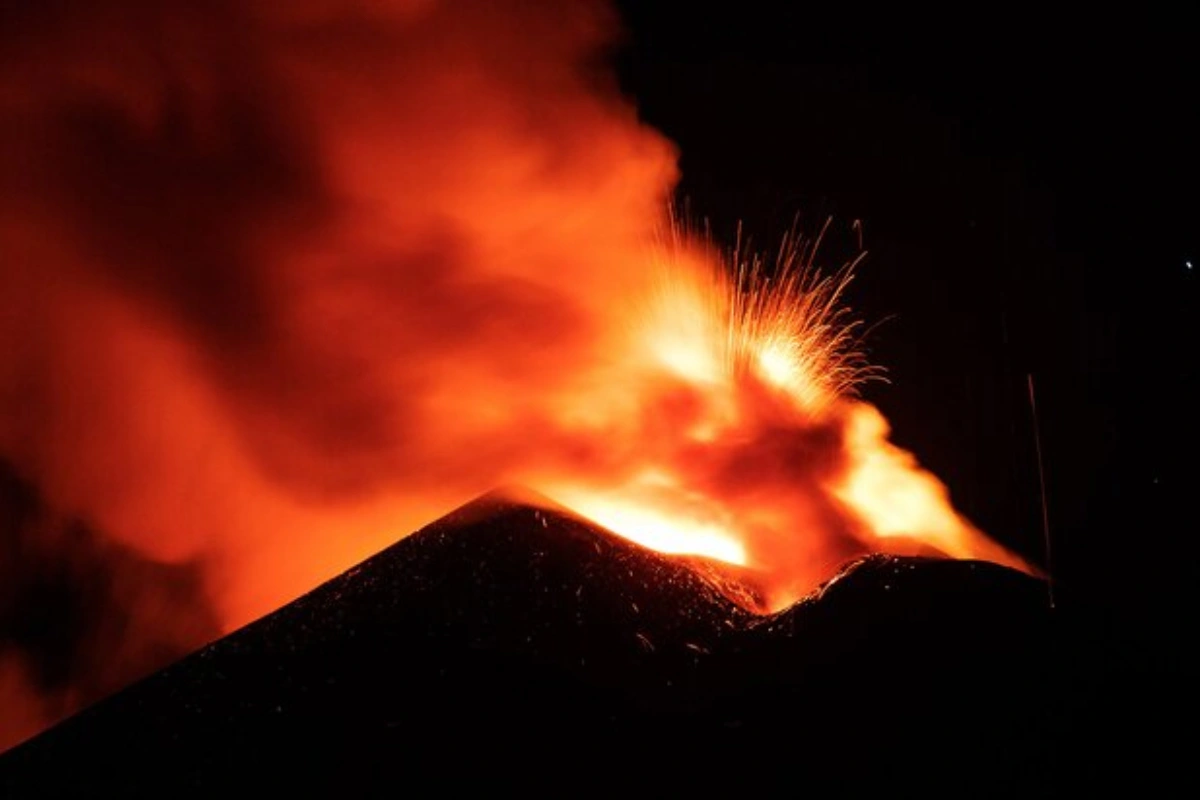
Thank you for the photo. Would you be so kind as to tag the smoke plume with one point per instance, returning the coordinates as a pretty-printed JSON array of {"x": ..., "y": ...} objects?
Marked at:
[
  {"x": 283, "y": 281},
  {"x": 255, "y": 258}
]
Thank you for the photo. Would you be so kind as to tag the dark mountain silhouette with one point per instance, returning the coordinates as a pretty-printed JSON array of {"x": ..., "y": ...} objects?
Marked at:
[{"x": 509, "y": 644}]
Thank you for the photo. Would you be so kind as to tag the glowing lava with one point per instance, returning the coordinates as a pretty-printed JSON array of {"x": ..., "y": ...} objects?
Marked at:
[{"x": 739, "y": 435}]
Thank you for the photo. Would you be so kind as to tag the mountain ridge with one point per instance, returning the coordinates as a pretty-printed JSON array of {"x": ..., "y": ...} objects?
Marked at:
[{"x": 505, "y": 628}]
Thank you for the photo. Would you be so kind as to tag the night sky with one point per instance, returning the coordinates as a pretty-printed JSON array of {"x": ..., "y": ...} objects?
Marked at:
[{"x": 1026, "y": 188}]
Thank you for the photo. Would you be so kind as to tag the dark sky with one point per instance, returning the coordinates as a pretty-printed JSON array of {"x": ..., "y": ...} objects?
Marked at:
[{"x": 1027, "y": 187}]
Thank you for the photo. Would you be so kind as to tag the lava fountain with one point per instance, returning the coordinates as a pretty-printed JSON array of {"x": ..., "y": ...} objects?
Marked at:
[{"x": 742, "y": 435}]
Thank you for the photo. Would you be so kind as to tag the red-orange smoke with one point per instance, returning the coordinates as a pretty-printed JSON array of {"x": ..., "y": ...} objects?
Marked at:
[
  {"x": 282, "y": 282},
  {"x": 734, "y": 432},
  {"x": 79, "y": 613}
]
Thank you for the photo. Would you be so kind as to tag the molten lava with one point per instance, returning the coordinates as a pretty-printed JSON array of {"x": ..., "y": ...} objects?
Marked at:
[{"x": 741, "y": 435}]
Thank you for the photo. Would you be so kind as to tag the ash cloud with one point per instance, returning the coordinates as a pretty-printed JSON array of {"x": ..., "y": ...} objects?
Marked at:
[
  {"x": 255, "y": 258},
  {"x": 80, "y": 615}
]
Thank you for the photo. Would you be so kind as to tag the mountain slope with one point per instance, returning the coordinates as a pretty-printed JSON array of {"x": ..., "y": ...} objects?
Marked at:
[{"x": 519, "y": 643}]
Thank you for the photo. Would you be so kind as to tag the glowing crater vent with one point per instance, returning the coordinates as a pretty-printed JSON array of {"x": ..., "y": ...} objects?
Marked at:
[{"x": 739, "y": 432}]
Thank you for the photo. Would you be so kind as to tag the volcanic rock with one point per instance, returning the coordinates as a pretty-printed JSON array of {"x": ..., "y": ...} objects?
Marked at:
[{"x": 515, "y": 644}]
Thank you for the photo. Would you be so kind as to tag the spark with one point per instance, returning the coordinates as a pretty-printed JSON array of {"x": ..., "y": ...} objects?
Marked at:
[
  {"x": 788, "y": 325},
  {"x": 735, "y": 358}
]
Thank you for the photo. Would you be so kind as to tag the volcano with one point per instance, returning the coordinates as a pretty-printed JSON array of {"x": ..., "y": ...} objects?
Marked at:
[{"x": 512, "y": 643}]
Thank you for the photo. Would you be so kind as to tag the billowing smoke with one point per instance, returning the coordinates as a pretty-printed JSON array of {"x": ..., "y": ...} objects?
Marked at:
[
  {"x": 80, "y": 614},
  {"x": 283, "y": 281},
  {"x": 256, "y": 256}
]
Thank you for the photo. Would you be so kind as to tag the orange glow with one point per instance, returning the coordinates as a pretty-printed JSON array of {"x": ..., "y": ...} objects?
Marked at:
[
  {"x": 889, "y": 491},
  {"x": 663, "y": 521},
  {"x": 730, "y": 430},
  {"x": 777, "y": 365},
  {"x": 282, "y": 282}
]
